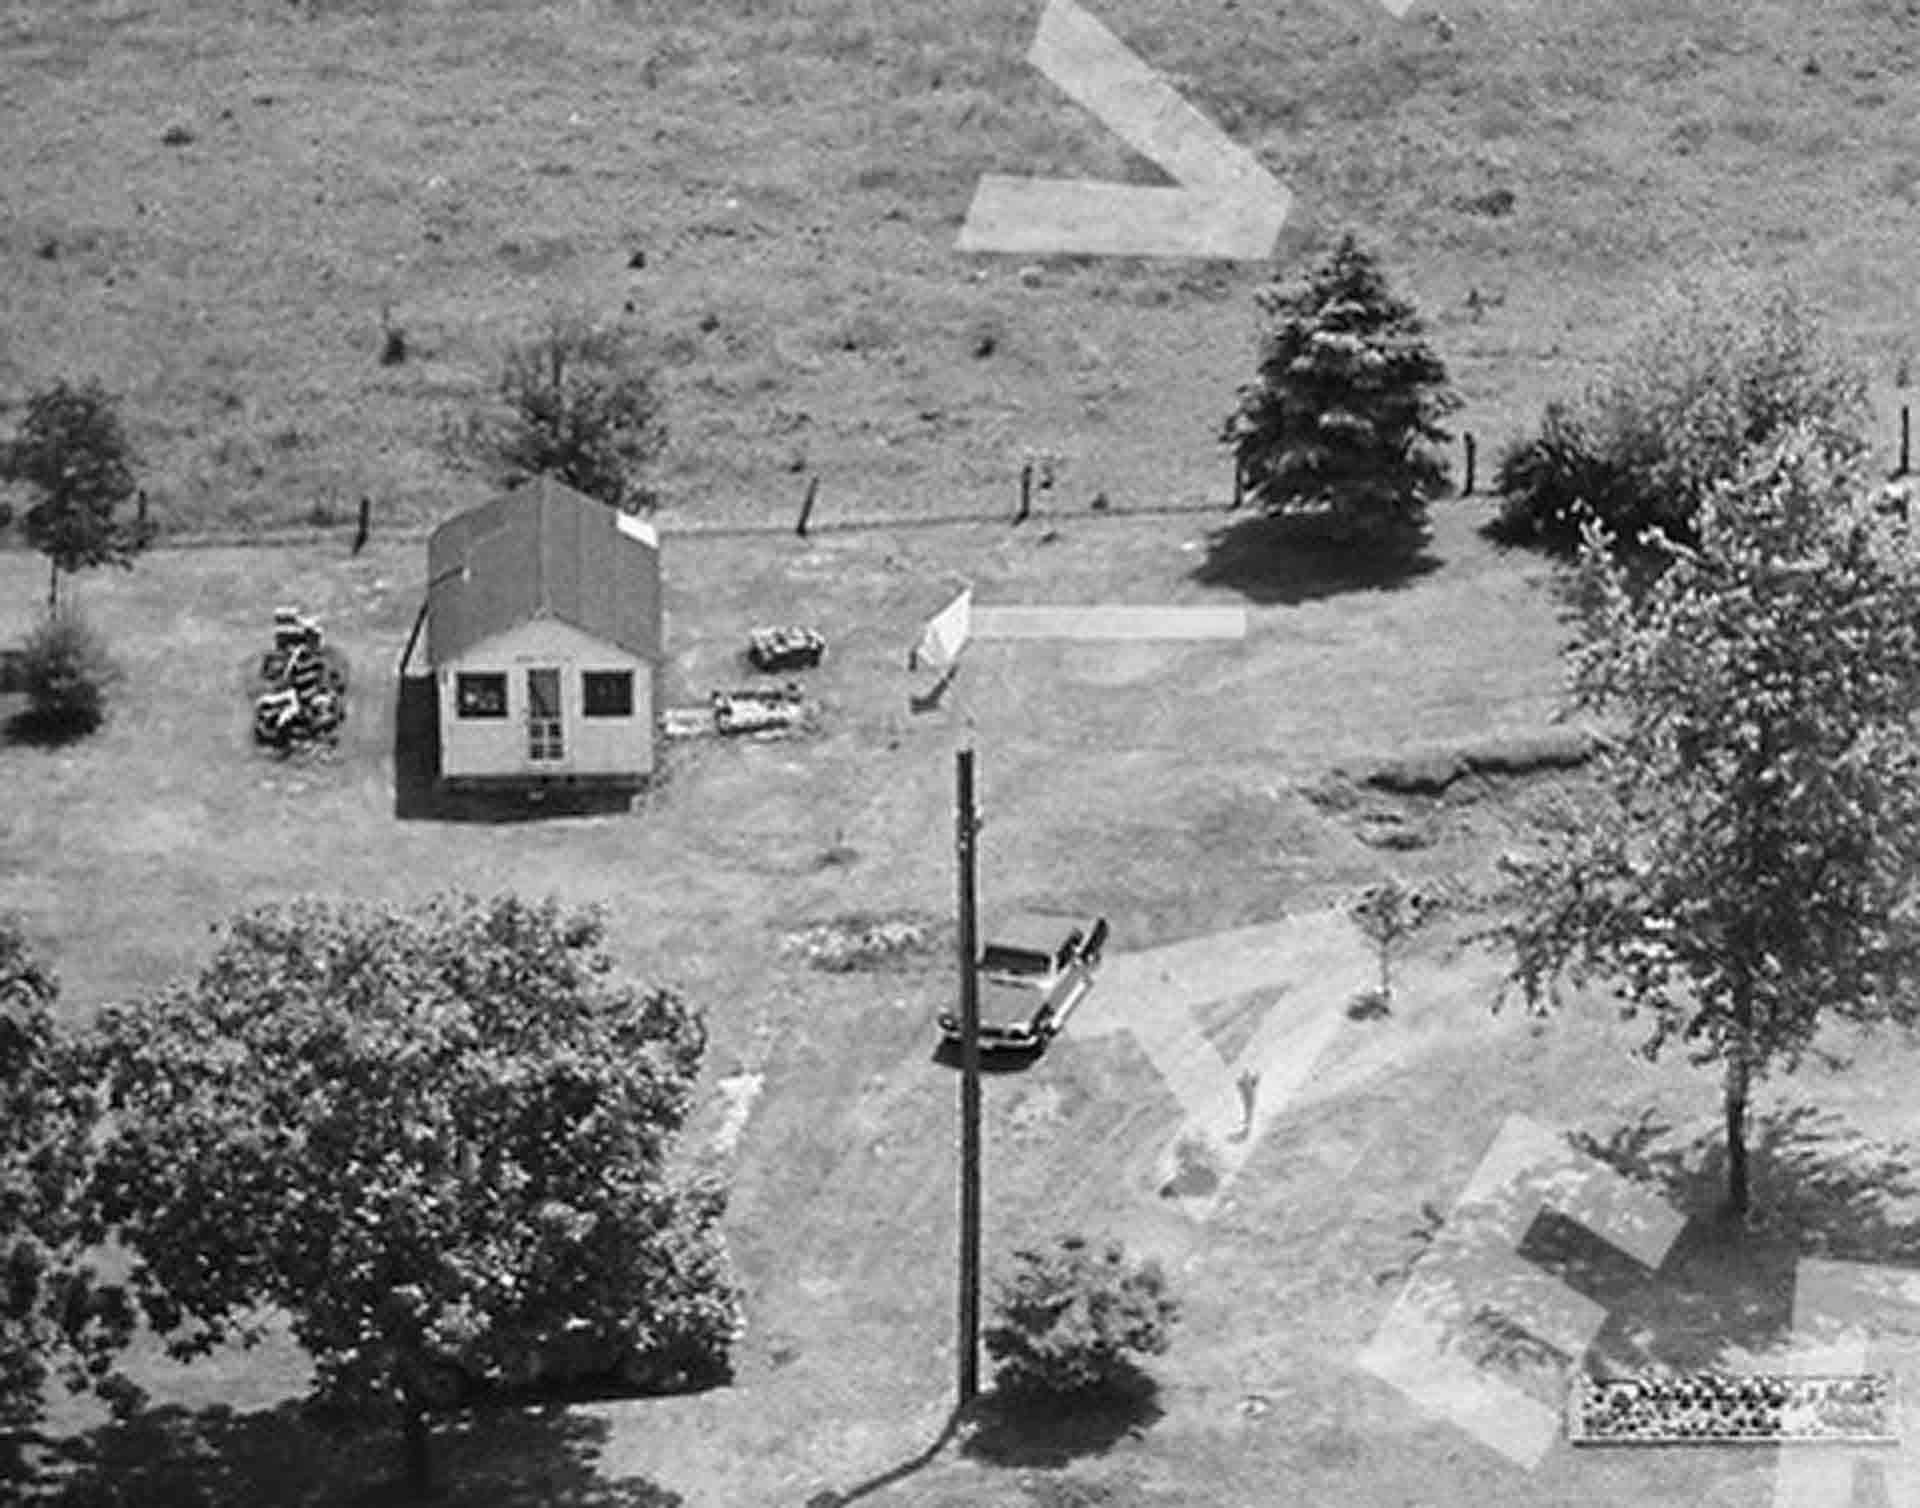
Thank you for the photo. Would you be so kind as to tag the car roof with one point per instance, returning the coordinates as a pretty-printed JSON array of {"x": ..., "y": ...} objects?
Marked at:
[{"x": 1034, "y": 931}]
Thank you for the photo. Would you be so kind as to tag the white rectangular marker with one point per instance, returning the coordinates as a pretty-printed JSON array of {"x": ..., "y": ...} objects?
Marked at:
[{"x": 1109, "y": 623}]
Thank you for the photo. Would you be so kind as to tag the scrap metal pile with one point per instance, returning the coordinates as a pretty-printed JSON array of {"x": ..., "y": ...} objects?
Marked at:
[
  {"x": 307, "y": 697},
  {"x": 790, "y": 648},
  {"x": 766, "y": 710}
]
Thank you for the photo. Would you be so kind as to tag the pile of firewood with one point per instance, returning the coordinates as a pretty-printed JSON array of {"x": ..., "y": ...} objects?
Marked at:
[{"x": 307, "y": 697}]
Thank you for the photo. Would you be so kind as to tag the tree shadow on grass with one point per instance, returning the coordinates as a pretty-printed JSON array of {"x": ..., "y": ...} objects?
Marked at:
[
  {"x": 172, "y": 1457},
  {"x": 1722, "y": 1294},
  {"x": 1012, "y": 1429},
  {"x": 1819, "y": 1190},
  {"x": 1287, "y": 559},
  {"x": 27, "y": 728}
]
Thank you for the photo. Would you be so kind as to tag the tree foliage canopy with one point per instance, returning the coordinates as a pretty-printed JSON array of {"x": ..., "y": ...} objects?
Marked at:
[
  {"x": 1720, "y": 367},
  {"x": 73, "y": 452},
  {"x": 1746, "y": 865},
  {"x": 581, "y": 409},
  {"x": 52, "y": 1305},
  {"x": 441, "y": 1133},
  {"x": 1347, "y": 399}
]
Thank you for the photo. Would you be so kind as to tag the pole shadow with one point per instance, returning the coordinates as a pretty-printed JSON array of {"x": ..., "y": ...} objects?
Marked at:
[{"x": 893, "y": 1475}]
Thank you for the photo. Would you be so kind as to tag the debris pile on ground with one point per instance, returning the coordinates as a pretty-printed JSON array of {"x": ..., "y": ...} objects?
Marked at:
[
  {"x": 1711, "y": 1407},
  {"x": 306, "y": 697},
  {"x": 687, "y": 722},
  {"x": 860, "y": 942},
  {"x": 1428, "y": 772},
  {"x": 789, "y": 648},
  {"x": 769, "y": 711}
]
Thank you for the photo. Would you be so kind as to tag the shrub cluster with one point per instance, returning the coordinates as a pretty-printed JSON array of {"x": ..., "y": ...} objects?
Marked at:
[
  {"x": 1070, "y": 1321},
  {"x": 1719, "y": 369},
  {"x": 66, "y": 672}
]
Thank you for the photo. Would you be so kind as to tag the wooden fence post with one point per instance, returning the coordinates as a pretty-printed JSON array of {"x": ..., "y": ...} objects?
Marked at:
[
  {"x": 1472, "y": 449},
  {"x": 806, "y": 507}
]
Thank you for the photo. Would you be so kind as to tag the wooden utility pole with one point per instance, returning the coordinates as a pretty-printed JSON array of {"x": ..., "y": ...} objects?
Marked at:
[{"x": 968, "y": 826}]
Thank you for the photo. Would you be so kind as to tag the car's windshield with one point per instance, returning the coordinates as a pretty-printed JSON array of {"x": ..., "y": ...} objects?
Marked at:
[{"x": 999, "y": 959}]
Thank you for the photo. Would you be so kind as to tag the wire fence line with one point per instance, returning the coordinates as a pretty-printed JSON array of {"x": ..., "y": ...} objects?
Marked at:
[{"x": 805, "y": 525}]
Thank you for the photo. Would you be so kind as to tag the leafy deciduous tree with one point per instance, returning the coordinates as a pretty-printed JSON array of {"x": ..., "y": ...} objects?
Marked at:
[
  {"x": 582, "y": 410},
  {"x": 430, "y": 1136},
  {"x": 72, "y": 450},
  {"x": 1721, "y": 366},
  {"x": 1348, "y": 398},
  {"x": 1746, "y": 867},
  {"x": 1388, "y": 913},
  {"x": 52, "y": 1304}
]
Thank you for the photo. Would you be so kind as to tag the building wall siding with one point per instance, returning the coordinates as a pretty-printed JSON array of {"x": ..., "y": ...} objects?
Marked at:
[{"x": 593, "y": 746}]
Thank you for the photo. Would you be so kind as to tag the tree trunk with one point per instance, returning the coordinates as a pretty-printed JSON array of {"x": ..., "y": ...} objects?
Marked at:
[
  {"x": 1738, "y": 1081},
  {"x": 419, "y": 1446}
]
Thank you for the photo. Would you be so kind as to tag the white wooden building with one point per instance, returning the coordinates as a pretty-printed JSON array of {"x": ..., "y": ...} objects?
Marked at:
[{"x": 544, "y": 633}]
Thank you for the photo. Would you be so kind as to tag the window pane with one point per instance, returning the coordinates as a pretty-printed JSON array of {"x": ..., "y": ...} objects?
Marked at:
[
  {"x": 543, "y": 693},
  {"x": 607, "y": 693},
  {"x": 481, "y": 695}
]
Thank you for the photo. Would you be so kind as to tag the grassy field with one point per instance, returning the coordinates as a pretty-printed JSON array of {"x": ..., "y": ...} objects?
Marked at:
[{"x": 795, "y": 175}]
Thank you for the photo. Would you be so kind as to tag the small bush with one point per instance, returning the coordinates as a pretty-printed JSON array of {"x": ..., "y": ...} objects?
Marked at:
[
  {"x": 66, "y": 672},
  {"x": 1070, "y": 1322}
]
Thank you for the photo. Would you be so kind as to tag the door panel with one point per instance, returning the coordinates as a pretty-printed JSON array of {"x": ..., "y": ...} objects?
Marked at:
[{"x": 546, "y": 743}]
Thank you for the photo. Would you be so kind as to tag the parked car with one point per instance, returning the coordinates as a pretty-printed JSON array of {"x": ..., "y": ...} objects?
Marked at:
[{"x": 1033, "y": 974}]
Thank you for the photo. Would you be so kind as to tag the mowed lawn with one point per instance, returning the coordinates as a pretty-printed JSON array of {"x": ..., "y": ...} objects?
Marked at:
[{"x": 1162, "y": 785}]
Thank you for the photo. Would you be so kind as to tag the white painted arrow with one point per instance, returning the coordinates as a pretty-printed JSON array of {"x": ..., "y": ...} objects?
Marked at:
[{"x": 1227, "y": 205}]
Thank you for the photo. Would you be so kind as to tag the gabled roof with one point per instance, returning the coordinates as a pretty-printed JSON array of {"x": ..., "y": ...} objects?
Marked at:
[{"x": 542, "y": 551}]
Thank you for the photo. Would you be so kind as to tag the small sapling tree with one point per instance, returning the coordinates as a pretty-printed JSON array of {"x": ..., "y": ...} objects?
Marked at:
[
  {"x": 1071, "y": 1321},
  {"x": 73, "y": 453},
  {"x": 1745, "y": 867},
  {"x": 1347, "y": 401},
  {"x": 1388, "y": 913},
  {"x": 434, "y": 1139}
]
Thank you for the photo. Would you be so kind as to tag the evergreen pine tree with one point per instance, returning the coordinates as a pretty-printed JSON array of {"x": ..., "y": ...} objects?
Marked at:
[{"x": 1347, "y": 401}]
